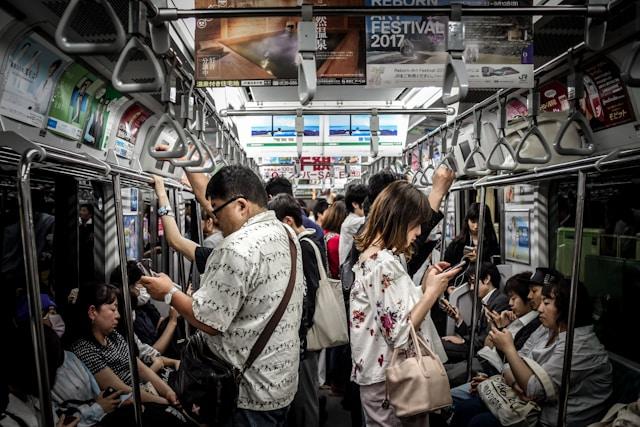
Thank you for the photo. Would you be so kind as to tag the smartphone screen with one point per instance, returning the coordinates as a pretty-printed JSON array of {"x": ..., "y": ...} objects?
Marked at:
[
  {"x": 462, "y": 263},
  {"x": 143, "y": 268}
]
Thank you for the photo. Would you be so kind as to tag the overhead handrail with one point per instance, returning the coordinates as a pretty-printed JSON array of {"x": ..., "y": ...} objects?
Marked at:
[
  {"x": 186, "y": 114},
  {"x": 307, "y": 76},
  {"x": 455, "y": 67},
  {"x": 466, "y": 169},
  {"x": 502, "y": 142},
  {"x": 610, "y": 156},
  {"x": 137, "y": 30},
  {"x": 167, "y": 120},
  {"x": 595, "y": 28},
  {"x": 449, "y": 159},
  {"x": 632, "y": 61},
  {"x": 533, "y": 104},
  {"x": 200, "y": 126},
  {"x": 89, "y": 48},
  {"x": 576, "y": 116}
]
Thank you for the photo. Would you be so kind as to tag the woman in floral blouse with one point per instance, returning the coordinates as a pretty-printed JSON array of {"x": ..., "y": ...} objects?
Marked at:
[{"x": 384, "y": 299}]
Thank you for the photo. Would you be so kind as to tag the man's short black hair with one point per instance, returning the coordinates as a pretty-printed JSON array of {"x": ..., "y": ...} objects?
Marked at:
[
  {"x": 356, "y": 193},
  {"x": 489, "y": 269},
  {"x": 237, "y": 180},
  {"x": 320, "y": 206},
  {"x": 285, "y": 205},
  {"x": 133, "y": 274},
  {"x": 518, "y": 285},
  {"x": 378, "y": 182},
  {"x": 278, "y": 185}
]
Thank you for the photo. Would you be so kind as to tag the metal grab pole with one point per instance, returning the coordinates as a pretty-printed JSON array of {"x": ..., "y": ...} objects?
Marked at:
[
  {"x": 133, "y": 362},
  {"x": 443, "y": 238},
  {"x": 476, "y": 287},
  {"x": 563, "y": 397},
  {"x": 33, "y": 284}
]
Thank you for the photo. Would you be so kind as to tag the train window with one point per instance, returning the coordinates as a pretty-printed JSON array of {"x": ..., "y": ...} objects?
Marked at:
[{"x": 610, "y": 260}]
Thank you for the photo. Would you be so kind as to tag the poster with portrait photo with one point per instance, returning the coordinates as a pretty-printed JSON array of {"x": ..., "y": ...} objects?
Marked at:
[
  {"x": 31, "y": 73},
  {"x": 517, "y": 239},
  {"x": 96, "y": 127}
]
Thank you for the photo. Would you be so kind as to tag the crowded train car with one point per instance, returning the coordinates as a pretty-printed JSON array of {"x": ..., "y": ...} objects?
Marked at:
[{"x": 319, "y": 213}]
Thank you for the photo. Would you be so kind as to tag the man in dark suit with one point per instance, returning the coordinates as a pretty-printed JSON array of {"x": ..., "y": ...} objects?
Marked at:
[{"x": 457, "y": 347}]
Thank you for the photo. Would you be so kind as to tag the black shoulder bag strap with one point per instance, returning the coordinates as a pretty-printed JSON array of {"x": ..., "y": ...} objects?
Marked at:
[{"x": 266, "y": 333}]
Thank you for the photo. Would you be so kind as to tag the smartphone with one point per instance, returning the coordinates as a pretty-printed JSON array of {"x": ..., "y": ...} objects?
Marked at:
[
  {"x": 146, "y": 271},
  {"x": 124, "y": 398},
  {"x": 467, "y": 250},
  {"x": 108, "y": 391},
  {"x": 463, "y": 263}
]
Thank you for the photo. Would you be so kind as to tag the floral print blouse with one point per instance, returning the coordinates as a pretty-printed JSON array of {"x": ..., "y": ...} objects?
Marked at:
[{"x": 382, "y": 297}]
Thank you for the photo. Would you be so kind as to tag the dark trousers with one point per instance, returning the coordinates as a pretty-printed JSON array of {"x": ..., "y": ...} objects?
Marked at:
[
  {"x": 473, "y": 413},
  {"x": 305, "y": 410},
  {"x": 249, "y": 418},
  {"x": 455, "y": 352}
]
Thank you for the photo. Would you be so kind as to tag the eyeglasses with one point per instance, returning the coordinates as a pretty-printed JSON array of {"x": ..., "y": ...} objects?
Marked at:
[{"x": 231, "y": 200}]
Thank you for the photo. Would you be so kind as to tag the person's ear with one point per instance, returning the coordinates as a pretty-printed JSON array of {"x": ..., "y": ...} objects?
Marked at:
[
  {"x": 289, "y": 221},
  {"x": 92, "y": 312}
]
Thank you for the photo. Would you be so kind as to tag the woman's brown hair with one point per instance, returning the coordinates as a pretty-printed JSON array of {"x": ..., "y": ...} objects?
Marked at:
[
  {"x": 399, "y": 207},
  {"x": 334, "y": 216}
]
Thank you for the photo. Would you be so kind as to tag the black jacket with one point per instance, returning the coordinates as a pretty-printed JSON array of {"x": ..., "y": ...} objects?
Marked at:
[
  {"x": 455, "y": 250},
  {"x": 498, "y": 302}
]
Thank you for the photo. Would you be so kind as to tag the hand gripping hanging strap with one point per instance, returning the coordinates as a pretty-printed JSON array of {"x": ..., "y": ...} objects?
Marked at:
[{"x": 266, "y": 333}]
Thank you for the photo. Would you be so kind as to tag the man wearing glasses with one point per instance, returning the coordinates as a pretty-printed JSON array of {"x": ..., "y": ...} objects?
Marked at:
[{"x": 242, "y": 284}]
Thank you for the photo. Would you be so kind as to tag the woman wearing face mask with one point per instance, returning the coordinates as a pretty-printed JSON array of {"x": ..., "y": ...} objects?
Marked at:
[
  {"x": 50, "y": 316},
  {"x": 150, "y": 327}
]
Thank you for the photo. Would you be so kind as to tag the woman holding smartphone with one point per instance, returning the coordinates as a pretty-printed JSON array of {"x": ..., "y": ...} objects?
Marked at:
[
  {"x": 465, "y": 243},
  {"x": 384, "y": 301}
]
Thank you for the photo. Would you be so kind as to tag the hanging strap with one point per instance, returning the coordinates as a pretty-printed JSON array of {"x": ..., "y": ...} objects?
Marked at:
[
  {"x": 321, "y": 270},
  {"x": 266, "y": 333}
]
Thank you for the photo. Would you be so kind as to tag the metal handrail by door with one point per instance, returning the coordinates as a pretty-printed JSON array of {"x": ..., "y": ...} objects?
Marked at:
[{"x": 128, "y": 307}]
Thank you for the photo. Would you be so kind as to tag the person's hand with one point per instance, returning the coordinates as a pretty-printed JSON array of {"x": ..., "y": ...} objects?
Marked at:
[
  {"x": 488, "y": 342},
  {"x": 110, "y": 402},
  {"x": 171, "y": 363},
  {"x": 173, "y": 315},
  {"x": 453, "y": 339},
  {"x": 477, "y": 380},
  {"x": 73, "y": 296},
  {"x": 172, "y": 398},
  {"x": 157, "y": 286},
  {"x": 452, "y": 312},
  {"x": 472, "y": 256},
  {"x": 435, "y": 282},
  {"x": 500, "y": 320},
  {"x": 442, "y": 180},
  {"x": 502, "y": 339},
  {"x": 67, "y": 421}
]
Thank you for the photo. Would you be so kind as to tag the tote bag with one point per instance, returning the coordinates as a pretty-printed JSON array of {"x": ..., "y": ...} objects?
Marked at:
[
  {"x": 507, "y": 405},
  {"x": 330, "y": 320}
]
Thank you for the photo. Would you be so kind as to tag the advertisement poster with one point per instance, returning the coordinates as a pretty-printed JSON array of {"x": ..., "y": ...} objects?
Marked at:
[
  {"x": 276, "y": 135},
  {"x": 131, "y": 236},
  {"x": 31, "y": 74},
  {"x": 95, "y": 130},
  {"x": 72, "y": 100},
  {"x": 517, "y": 231},
  {"x": 351, "y": 135},
  {"x": 606, "y": 102},
  {"x": 128, "y": 128},
  {"x": 405, "y": 51},
  {"x": 264, "y": 51}
]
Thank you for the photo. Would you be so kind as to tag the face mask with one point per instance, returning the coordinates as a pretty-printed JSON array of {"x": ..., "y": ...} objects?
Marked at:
[
  {"x": 143, "y": 296},
  {"x": 57, "y": 324}
]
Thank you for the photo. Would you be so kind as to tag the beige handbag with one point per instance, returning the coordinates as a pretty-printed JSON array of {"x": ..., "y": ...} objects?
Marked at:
[
  {"x": 419, "y": 383},
  {"x": 330, "y": 327}
]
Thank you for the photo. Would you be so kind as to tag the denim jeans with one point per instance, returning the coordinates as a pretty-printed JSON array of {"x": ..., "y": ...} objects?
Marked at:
[{"x": 249, "y": 418}]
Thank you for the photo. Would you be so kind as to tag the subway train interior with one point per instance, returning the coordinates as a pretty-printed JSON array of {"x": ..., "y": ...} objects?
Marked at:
[{"x": 149, "y": 142}]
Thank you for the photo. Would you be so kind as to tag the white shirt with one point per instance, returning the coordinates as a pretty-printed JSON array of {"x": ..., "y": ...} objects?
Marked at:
[
  {"x": 382, "y": 297},
  {"x": 242, "y": 285},
  {"x": 488, "y": 296},
  {"x": 349, "y": 228}
]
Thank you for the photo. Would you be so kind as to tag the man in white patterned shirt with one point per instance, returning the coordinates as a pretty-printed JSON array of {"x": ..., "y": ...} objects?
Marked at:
[{"x": 243, "y": 283}]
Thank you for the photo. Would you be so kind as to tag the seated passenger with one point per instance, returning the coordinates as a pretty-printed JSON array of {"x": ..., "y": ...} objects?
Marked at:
[
  {"x": 457, "y": 347},
  {"x": 105, "y": 352},
  {"x": 590, "y": 379},
  {"x": 523, "y": 321},
  {"x": 150, "y": 327}
]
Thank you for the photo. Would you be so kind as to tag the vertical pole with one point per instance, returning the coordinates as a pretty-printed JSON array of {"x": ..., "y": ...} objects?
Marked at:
[
  {"x": 33, "y": 285},
  {"x": 195, "y": 276},
  {"x": 476, "y": 287},
  {"x": 133, "y": 364},
  {"x": 443, "y": 238},
  {"x": 153, "y": 231},
  {"x": 563, "y": 397}
]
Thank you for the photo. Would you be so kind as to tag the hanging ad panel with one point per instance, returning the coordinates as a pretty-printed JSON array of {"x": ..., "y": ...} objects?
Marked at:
[
  {"x": 276, "y": 135},
  {"x": 264, "y": 51},
  {"x": 72, "y": 100},
  {"x": 31, "y": 74},
  {"x": 404, "y": 51},
  {"x": 95, "y": 133},
  {"x": 351, "y": 135},
  {"x": 130, "y": 123}
]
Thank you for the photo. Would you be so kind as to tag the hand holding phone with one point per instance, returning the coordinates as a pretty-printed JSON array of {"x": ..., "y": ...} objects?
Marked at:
[
  {"x": 462, "y": 264},
  {"x": 146, "y": 271}
]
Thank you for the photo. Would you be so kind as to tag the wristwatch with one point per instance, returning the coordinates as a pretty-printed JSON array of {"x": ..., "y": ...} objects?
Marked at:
[
  {"x": 165, "y": 210},
  {"x": 169, "y": 295}
]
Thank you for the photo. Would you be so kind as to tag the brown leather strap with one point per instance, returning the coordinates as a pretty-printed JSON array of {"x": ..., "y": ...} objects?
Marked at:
[{"x": 266, "y": 333}]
